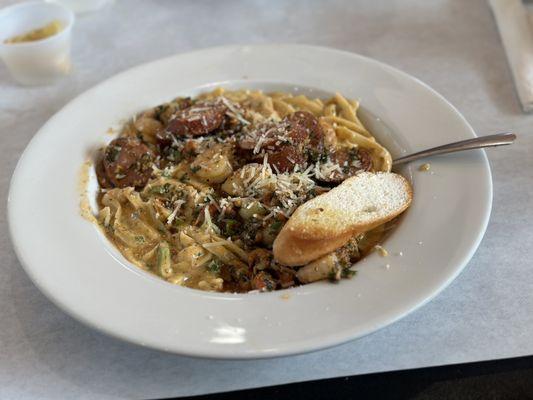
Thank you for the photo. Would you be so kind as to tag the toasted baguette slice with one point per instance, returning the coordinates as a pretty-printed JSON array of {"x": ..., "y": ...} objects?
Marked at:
[{"x": 328, "y": 221}]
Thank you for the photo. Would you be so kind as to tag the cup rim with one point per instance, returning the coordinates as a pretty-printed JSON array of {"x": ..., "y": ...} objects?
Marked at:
[{"x": 71, "y": 18}]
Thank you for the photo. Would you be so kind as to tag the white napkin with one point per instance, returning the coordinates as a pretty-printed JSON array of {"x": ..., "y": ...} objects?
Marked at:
[{"x": 517, "y": 37}]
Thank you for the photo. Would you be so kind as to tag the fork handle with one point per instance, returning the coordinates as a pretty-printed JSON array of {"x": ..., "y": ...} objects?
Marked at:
[{"x": 500, "y": 139}]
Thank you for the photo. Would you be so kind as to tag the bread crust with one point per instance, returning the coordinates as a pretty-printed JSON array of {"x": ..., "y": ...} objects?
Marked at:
[
  {"x": 293, "y": 251},
  {"x": 322, "y": 225}
]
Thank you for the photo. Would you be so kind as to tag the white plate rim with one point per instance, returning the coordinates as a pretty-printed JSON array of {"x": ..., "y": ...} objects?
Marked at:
[{"x": 223, "y": 353}]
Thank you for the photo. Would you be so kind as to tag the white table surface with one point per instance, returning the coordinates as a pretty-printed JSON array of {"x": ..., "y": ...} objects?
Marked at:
[{"x": 453, "y": 45}]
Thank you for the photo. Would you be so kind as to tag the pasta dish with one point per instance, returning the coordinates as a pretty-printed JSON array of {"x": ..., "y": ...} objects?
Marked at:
[{"x": 196, "y": 190}]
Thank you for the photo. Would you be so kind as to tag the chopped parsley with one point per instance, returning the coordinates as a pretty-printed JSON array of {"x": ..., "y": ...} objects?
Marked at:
[
  {"x": 112, "y": 153},
  {"x": 334, "y": 275},
  {"x": 177, "y": 222},
  {"x": 353, "y": 154},
  {"x": 174, "y": 154},
  {"x": 214, "y": 266},
  {"x": 275, "y": 227},
  {"x": 230, "y": 227},
  {"x": 161, "y": 189},
  {"x": 348, "y": 273},
  {"x": 313, "y": 154}
]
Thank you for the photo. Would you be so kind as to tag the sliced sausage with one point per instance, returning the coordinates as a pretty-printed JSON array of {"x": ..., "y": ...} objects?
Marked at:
[
  {"x": 286, "y": 157},
  {"x": 306, "y": 130},
  {"x": 293, "y": 141},
  {"x": 350, "y": 162},
  {"x": 101, "y": 175},
  {"x": 127, "y": 162},
  {"x": 199, "y": 119},
  {"x": 365, "y": 160},
  {"x": 264, "y": 136},
  {"x": 305, "y": 137},
  {"x": 165, "y": 111}
]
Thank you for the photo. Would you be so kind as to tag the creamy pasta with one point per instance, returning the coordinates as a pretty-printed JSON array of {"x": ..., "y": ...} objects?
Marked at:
[{"x": 195, "y": 190}]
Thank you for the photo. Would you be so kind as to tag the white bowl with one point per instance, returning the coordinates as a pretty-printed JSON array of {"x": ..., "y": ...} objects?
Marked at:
[
  {"x": 42, "y": 61},
  {"x": 77, "y": 268}
]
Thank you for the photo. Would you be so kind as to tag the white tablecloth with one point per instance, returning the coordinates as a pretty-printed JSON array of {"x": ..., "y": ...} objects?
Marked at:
[{"x": 453, "y": 45}]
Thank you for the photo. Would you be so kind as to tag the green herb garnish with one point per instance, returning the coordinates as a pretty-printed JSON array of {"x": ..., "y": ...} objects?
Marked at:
[
  {"x": 348, "y": 273},
  {"x": 275, "y": 227},
  {"x": 112, "y": 153},
  {"x": 174, "y": 154},
  {"x": 231, "y": 227},
  {"x": 334, "y": 275},
  {"x": 163, "y": 189},
  {"x": 353, "y": 154},
  {"x": 214, "y": 266}
]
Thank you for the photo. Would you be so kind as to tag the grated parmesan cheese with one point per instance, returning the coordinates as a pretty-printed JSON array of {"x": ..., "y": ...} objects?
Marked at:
[
  {"x": 326, "y": 170},
  {"x": 208, "y": 223},
  {"x": 234, "y": 111},
  {"x": 172, "y": 216}
]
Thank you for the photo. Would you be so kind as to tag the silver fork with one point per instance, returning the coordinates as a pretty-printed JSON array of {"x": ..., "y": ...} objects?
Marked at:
[{"x": 500, "y": 139}]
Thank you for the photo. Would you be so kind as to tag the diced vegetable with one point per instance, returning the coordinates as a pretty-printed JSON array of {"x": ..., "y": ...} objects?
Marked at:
[
  {"x": 164, "y": 267},
  {"x": 254, "y": 208}
]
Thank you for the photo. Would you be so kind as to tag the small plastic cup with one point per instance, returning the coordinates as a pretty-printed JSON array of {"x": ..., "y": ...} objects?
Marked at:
[{"x": 42, "y": 61}]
